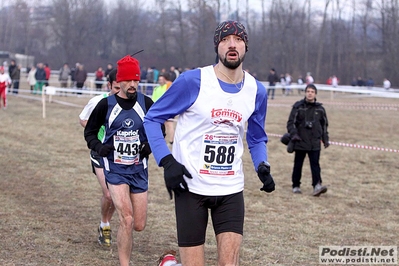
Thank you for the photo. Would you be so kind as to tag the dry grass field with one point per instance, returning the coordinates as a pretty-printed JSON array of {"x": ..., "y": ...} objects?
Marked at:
[{"x": 49, "y": 199}]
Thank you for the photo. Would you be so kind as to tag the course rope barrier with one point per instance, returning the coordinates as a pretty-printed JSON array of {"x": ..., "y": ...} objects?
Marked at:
[
  {"x": 361, "y": 106},
  {"x": 356, "y": 146}
]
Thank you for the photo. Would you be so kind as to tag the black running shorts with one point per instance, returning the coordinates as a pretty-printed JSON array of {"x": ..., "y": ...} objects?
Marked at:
[{"x": 192, "y": 210}]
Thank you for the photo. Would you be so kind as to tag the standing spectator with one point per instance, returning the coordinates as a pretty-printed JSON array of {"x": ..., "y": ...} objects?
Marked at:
[
  {"x": 272, "y": 79},
  {"x": 387, "y": 84},
  {"x": 31, "y": 78},
  {"x": 354, "y": 81},
  {"x": 15, "y": 75},
  {"x": 160, "y": 89},
  {"x": 125, "y": 152},
  {"x": 110, "y": 67},
  {"x": 173, "y": 73},
  {"x": 163, "y": 71},
  {"x": 177, "y": 71},
  {"x": 11, "y": 68},
  {"x": 107, "y": 206},
  {"x": 73, "y": 75},
  {"x": 205, "y": 172},
  {"x": 5, "y": 80},
  {"x": 40, "y": 78},
  {"x": 48, "y": 73},
  {"x": 99, "y": 78},
  {"x": 150, "y": 80},
  {"x": 334, "y": 81},
  {"x": 143, "y": 79},
  {"x": 307, "y": 126},
  {"x": 370, "y": 83},
  {"x": 156, "y": 74},
  {"x": 300, "y": 83},
  {"x": 164, "y": 84},
  {"x": 288, "y": 81},
  {"x": 150, "y": 75},
  {"x": 143, "y": 75},
  {"x": 360, "y": 81},
  {"x": 80, "y": 77},
  {"x": 63, "y": 76},
  {"x": 309, "y": 79},
  {"x": 282, "y": 83}
]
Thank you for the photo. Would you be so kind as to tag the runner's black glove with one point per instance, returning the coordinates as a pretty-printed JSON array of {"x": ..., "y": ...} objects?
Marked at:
[
  {"x": 266, "y": 178},
  {"x": 173, "y": 175},
  {"x": 103, "y": 150},
  {"x": 145, "y": 150}
]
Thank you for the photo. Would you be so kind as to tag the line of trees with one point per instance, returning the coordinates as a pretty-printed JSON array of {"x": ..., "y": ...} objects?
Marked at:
[{"x": 347, "y": 38}]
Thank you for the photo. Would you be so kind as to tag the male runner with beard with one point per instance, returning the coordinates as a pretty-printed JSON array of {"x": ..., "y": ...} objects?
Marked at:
[
  {"x": 125, "y": 152},
  {"x": 205, "y": 170}
]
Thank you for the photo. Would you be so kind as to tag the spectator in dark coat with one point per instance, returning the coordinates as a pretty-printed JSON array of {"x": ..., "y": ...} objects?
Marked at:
[
  {"x": 307, "y": 126},
  {"x": 80, "y": 77},
  {"x": 40, "y": 78},
  {"x": 272, "y": 79},
  {"x": 15, "y": 75}
]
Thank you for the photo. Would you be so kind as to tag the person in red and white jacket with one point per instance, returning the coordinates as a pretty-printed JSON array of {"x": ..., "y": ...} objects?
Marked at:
[
  {"x": 47, "y": 70},
  {"x": 5, "y": 81}
]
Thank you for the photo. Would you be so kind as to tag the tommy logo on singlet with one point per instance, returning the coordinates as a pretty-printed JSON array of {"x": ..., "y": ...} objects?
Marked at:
[
  {"x": 226, "y": 113},
  {"x": 225, "y": 117}
]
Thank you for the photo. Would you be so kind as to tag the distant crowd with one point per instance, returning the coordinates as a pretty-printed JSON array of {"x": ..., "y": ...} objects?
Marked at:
[{"x": 76, "y": 77}]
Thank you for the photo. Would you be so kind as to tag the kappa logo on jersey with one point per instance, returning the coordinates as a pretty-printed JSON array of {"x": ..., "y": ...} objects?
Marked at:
[{"x": 128, "y": 123}]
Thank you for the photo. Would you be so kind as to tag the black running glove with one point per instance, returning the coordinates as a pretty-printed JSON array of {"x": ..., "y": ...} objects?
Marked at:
[
  {"x": 145, "y": 150},
  {"x": 104, "y": 150},
  {"x": 266, "y": 178},
  {"x": 173, "y": 175}
]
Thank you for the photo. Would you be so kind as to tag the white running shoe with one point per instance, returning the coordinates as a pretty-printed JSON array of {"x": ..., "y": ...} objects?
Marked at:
[{"x": 168, "y": 258}]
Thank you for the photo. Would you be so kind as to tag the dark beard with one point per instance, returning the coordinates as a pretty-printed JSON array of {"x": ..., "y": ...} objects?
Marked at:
[
  {"x": 232, "y": 64},
  {"x": 131, "y": 96}
]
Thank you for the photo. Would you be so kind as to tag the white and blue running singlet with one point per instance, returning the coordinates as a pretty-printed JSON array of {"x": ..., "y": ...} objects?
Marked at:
[
  {"x": 124, "y": 130},
  {"x": 209, "y": 136}
]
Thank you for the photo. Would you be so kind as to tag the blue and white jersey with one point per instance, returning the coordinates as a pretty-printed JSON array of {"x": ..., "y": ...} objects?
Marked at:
[
  {"x": 212, "y": 116},
  {"x": 124, "y": 130}
]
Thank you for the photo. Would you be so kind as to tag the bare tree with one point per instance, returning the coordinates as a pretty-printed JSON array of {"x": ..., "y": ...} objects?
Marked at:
[
  {"x": 390, "y": 36},
  {"x": 181, "y": 35},
  {"x": 364, "y": 19},
  {"x": 162, "y": 29},
  {"x": 127, "y": 20},
  {"x": 289, "y": 35},
  {"x": 321, "y": 39},
  {"x": 75, "y": 25},
  {"x": 203, "y": 23},
  {"x": 16, "y": 21}
]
